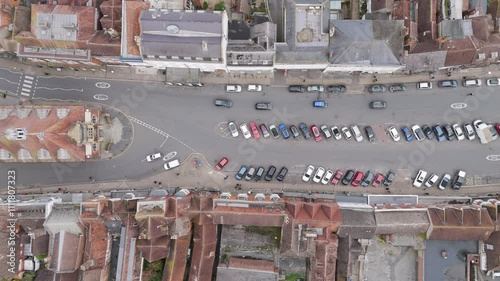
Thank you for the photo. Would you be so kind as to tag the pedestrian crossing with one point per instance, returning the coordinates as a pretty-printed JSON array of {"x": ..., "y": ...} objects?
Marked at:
[{"x": 27, "y": 85}]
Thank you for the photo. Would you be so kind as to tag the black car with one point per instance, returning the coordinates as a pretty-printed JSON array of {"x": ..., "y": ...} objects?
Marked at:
[
  {"x": 369, "y": 133},
  {"x": 450, "y": 134},
  {"x": 367, "y": 180},
  {"x": 264, "y": 106},
  {"x": 274, "y": 132},
  {"x": 296, "y": 88},
  {"x": 305, "y": 131},
  {"x": 270, "y": 173},
  {"x": 378, "y": 104},
  {"x": 428, "y": 132},
  {"x": 348, "y": 177},
  {"x": 448, "y": 83},
  {"x": 397, "y": 88},
  {"x": 282, "y": 174},
  {"x": 389, "y": 178},
  {"x": 338, "y": 89},
  {"x": 295, "y": 132}
]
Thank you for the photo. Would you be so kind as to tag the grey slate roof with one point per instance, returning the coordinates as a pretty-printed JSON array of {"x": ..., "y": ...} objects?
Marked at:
[
  {"x": 64, "y": 217},
  {"x": 402, "y": 221},
  {"x": 425, "y": 61},
  {"x": 357, "y": 222},
  {"x": 183, "y": 34},
  {"x": 365, "y": 42}
]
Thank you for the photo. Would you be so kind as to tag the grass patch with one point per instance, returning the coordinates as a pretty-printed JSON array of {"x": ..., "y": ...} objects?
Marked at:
[{"x": 294, "y": 277}]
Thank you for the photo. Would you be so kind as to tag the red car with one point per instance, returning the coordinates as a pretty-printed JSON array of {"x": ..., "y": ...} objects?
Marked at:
[
  {"x": 379, "y": 178},
  {"x": 356, "y": 180},
  {"x": 497, "y": 126},
  {"x": 221, "y": 164},
  {"x": 337, "y": 177},
  {"x": 255, "y": 131},
  {"x": 315, "y": 133}
]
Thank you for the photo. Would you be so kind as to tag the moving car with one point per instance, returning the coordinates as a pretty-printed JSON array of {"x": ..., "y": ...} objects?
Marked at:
[
  {"x": 233, "y": 129},
  {"x": 315, "y": 88},
  {"x": 356, "y": 133},
  {"x": 347, "y": 133},
  {"x": 438, "y": 131},
  {"x": 320, "y": 103},
  {"x": 296, "y": 88},
  {"x": 379, "y": 178},
  {"x": 255, "y": 131},
  {"x": 245, "y": 131},
  {"x": 223, "y": 103},
  {"x": 319, "y": 174},
  {"x": 358, "y": 177},
  {"x": 424, "y": 85},
  {"x": 274, "y": 131},
  {"x": 431, "y": 180},
  {"x": 389, "y": 178},
  {"x": 370, "y": 134},
  {"x": 233, "y": 88},
  {"x": 337, "y": 177},
  {"x": 394, "y": 133},
  {"x": 448, "y": 83},
  {"x": 270, "y": 173},
  {"x": 349, "y": 174},
  {"x": 308, "y": 173},
  {"x": 336, "y": 133},
  {"x": 172, "y": 164},
  {"x": 315, "y": 133},
  {"x": 450, "y": 135},
  {"x": 338, "y": 89},
  {"x": 259, "y": 173},
  {"x": 428, "y": 132},
  {"x": 469, "y": 131},
  {"x": 493, "y": 82},
  {"x": 459, "y": 180},
  {"x": 327, "y": 177},
  {"x": 377, "y": 88},
  {"x": 407, "y": 133},
  {"x": 154, "y": 156},
  {"x": 419, "y": 179},
  {"x": 367, "y": 180},
  {"x": 305, "y": 131},
  {"x": 282, "y": 174},
  {"x": 284, "y": 131},
  {"x": 326, "y": 131},
  {"x": 241, "y": 173},
  {"x": 397, "y": 88},
  {"x": 223, "y": 162},
  {"x": 419, "y": 135},
  {"x": 265, "y": 132},
  {"x": 264, "y": 106},
  {"x": 458, "y": 131},
  {"x": 250, "y": 173},
  {"x": 444, "y": 181},
  {"x": 295, "y": 132},
  {"x": 378, "y": 104},
  {"x": 254, "y": 88}
]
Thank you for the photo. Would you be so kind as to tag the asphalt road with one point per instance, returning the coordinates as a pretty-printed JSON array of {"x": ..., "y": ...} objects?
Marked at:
[{"x": 193, "y": 124}]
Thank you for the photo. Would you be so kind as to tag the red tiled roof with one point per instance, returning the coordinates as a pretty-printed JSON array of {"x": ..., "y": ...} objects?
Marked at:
[
  {"x": 262, "y": 265},
  {"x": 67, "y": 252},
  {"x": 112, "y": 15},
  {"x": 204, "y": 247},
  {"x": 132, "y": 13},
  {"x": 153, "y": 249},
  {"x": 175, "y": 265},
  {"x": 97, "y": 244}
]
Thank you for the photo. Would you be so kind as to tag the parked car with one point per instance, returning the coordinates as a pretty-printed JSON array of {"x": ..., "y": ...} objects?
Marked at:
[
  {"x": 459, "y": 180},
  {"x": 438, "y": 131},
  {"x": 407, "y": 133},
  {"x": 315, "y": 88},
  {"x": 347, "y": 133},
  {"x": 326, "y": 131},
  {"x": 154, "y": 156},
  {"x": 264, "y": 106},
  {"x": 233, "y": 88},
  {"x": 327, "y": 177},
  {"x": 282, "y": 174},
  {"x": 493, "y": 82},
  {"x": 349, "y": 174},
  {"x": 308, "y": 173},
  {"x": 431, "y": 180},
  {"x": 397, "y": 88},
  {"x": 315, "y": 133},
  {"x": 497, "y": 127},
  {"x": 336, "y": 133},
  {"x": 233, "y": 129},
  {"x": 245, "y": 131},
  {"x": 378, "y": 104},
  {"x": 295, "y": 132},
  {"x": 223, "y": 103},
  {"x": 250, "y": 173},
  {"x": 424, "y": 85},
  {"x": 377, "y": 88},
  {"x": 296, "y": 88},
  {"x": 241, "y": 173},
  {"x": 472, "y": 82},
  {"x": 337, "y": 177},
  {"x": 356, "y": 133},
  {"x": 254, "y": 88},
  {"x": 305, "y": 131},
  {"x": 172, "y": 164},
  {"x": 367, "y": 179},
  {"x": 448, "y": 84},
  {"x": 379, "y": 178},
  {"x": 469, "y": 131},
  {"x": 444, "y": 181},
  {"x": 223, "y": 162},
  {"x": 338, "y": 89},
  {"x": 320, "y": 103},
  {"x": 274, "y": 131},
  {"x": 450, "y": 135},
  {"x": 319, "y": 174},
  {"x": 428, "y": 132},
  {"x": 270, "y": 173},
  {"x": 420, "y": 178},
  {"x": 255, "y": 130},
  {"x": 259, "y": 173},
  {"x": 263, "y": 129},
  {"x": 358, "y": 177},
  {"x": 284, "y": 131},
  {"x": 394, "y": 133},
  {"x": 389, "y": 178},
  {"x": 458, "y": 132},
  {"x": 419, "y": 134},
  {"x": 370, "y": 134}
]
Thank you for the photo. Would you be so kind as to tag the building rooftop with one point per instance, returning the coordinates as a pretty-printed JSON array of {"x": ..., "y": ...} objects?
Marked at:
[
  {"x": 391, "y": 221},
  {"x": 306, "y": 23},
  {"x": 67, "y": 252},
  {"x": 357, "y": 222}
]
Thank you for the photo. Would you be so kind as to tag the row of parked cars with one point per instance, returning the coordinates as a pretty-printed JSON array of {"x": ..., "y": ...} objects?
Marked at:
[
  {"x": 251, "y": 173},
  {"x": 443, "y": 183},
  {"x": 349, "y": 177},
  {"x": 338, "y": 89},
  {"x": 427, "y": 85}
]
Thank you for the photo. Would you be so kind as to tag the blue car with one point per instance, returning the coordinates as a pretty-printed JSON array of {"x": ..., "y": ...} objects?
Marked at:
[
  {"x": 284, "y": 131},
  {"x": 407, "y": 133},
  {"x": 241, "y": 173},
  {"x": 438, "y": 131},
  {"x": 320, "y": 103}
]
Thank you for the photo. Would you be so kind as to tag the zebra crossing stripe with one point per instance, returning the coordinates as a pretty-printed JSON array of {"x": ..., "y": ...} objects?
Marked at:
[
  {"x": 28, "y": 77},
  {"x": 28, "y": 82},
  {"x": 27, "y": 86},
  {"x": 25, "y": 94}
]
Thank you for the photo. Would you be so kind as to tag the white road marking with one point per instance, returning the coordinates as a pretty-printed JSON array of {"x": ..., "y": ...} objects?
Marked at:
[
  {"x": 493, "y": 157},
  {"x": 28, "y": 77},
  {"x": 25, "y": 94},
  {"x": 28, "y": 82},
  {"x": 459, "y": 105},
  {"x": 27, "y": 86},
  {"x": 102, "y": 85},
  {"x": 13, "y": 83},
  {"x": 100, "y": 97},
  {"x": 169, "y": 155},
  {"x": 60, "y": 89}
]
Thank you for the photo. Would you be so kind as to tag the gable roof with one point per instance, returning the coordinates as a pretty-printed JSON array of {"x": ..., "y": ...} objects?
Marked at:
[
  {"x": 357, "y": 221},
  {"x": 390, "y": 221},
  {"x": 67, "y": 252}
]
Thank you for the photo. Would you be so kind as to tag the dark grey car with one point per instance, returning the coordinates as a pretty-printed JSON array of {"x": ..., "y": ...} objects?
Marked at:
[
  {"x": 367, "y": 180},
  {"x": 270, "y": 173},
  {"x": 264, "y": 106},
  {"x": 338, "y": 89},
  {"x": 448, "y": 83},
  {"x": 282, "y": 174},
  {"x": 348, "y": 177},
  {"x": 378, "y": 104},
  {"x": 389, "y": 178},
  {"x": 370, "y": 134},
  {"x": 305, "y": 131},
  {"x": 295, "y": 132},
  {"x": 450, "y": 134},
  {"x": 377, "y": 88},
  {"x": 296, "y": 88},
  {"x": 397, "y": 88},
  {"x": 223, "y": 103}
]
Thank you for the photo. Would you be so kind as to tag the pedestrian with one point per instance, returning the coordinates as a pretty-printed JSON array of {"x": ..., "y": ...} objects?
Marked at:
[{"x": 469, "y": 94}]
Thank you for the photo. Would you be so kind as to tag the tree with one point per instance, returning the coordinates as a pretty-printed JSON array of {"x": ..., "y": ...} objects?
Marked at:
[
  {"x": 220, "y": 6},
  {"x": 205, "y": 5}
]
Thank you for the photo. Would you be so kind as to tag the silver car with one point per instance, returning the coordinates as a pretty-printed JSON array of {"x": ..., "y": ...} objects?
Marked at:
[
  {"x": 347, "y": 133},
  {"x": 245, "y": 131},
  {"x": 233, "y": 129}
]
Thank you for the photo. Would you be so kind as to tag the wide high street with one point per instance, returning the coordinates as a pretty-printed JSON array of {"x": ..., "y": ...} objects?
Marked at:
[{"x": 184, "y": 120}]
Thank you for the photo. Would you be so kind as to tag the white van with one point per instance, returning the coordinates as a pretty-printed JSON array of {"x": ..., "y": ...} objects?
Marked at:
[
  {"x": 172, "y": 164},
  {"x": 472, "y": 82},
  {"x": 357, "y": 133},
  {"x": 424, "y": 85}
]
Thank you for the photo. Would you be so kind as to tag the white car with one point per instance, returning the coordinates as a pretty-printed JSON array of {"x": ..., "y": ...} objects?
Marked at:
[
  {"x": 336, "y": 133},
  {"x": 469, "y": 131},
  {"x": 245, "y": 131},
  {"x": 394, "y": 133},
  {"x": 419, "y": 135},
  {"x": 308, "y": 173},
  {"x": 233, "y": 129},
  {"x": 327, "y": 177},
  {"x": 493, "y": 82},
  {"x": 154, "y": 156},
  {"x": 172, "y": 164},
  {"x": 420, "y": 178},
  {"x": 254, "y": 88},
  {"x": 233, "y": 88},
  {"x": 325, "y": 131},
  {"x": 319, "y": 174},
  {"x": 431, "y": 180},
  {"x": 347, "y": 133},
  {"x": 357, "y": 133},
  {"x": 458, "y": 131},
  {"x": 444, "y": 181}
]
